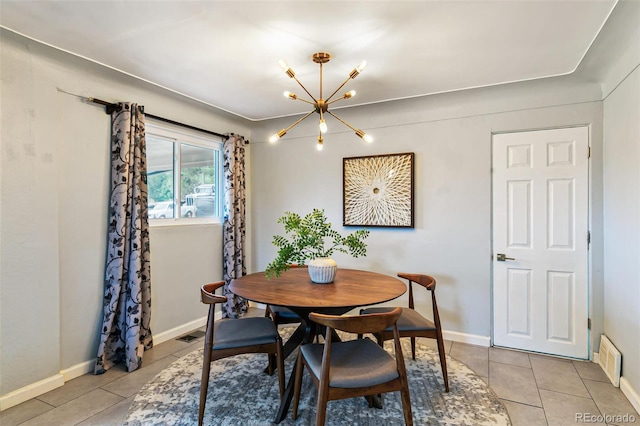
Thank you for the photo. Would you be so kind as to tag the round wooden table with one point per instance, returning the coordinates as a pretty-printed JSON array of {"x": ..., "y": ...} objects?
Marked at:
[{"x": 294, "y": 289}]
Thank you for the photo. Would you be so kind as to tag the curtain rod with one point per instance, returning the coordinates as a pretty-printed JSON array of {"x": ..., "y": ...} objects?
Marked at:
[{"x": 110, "y": 107}]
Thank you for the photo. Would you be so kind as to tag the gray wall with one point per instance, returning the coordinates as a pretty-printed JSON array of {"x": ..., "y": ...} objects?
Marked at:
[
  {"x": 54, "y": 179},
  {"x": 622, "y": 224},
  {"x": 451, "y": 137}
]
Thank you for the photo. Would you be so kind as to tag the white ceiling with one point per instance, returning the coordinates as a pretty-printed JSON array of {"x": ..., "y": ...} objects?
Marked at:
[{"x": 225, "y": 53}]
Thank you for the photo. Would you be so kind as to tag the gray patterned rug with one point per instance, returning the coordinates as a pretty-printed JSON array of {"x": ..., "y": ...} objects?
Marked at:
[{"x": 240, "y": 394}]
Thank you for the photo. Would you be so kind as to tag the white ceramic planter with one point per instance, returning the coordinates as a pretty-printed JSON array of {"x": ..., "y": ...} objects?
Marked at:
[{"x": 322, "y": 270}]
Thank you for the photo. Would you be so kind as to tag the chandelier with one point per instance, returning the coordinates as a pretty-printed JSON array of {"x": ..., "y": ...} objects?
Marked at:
[{"x": 321, "y": 105}]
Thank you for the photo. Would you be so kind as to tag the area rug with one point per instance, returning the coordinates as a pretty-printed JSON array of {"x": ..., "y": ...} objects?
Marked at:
[{"x": 241, "y": 394}]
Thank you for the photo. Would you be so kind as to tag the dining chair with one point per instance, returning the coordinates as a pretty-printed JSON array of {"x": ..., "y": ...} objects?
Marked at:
[
  {"x": 229, "y": 337},
  {"x": 353, "y": 368},
  {"x": 412, "y": 324}
]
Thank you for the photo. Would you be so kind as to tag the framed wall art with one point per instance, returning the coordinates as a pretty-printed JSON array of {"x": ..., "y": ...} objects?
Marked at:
[{"x": 378, "y": 190}]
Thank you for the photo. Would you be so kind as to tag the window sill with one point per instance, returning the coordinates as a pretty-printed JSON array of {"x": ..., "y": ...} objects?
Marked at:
[{"x": 163, "y": 223}]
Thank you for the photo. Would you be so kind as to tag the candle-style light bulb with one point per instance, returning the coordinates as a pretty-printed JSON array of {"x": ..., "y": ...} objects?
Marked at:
[
  {"x": 364, "y": 136},
  {"x": 323, "y": 126},
  {"x": 277, "y": 136}
]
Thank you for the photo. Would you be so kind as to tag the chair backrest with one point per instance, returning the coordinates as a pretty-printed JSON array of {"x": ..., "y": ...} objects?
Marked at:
[
  {"x": 359, "y": 324},
  {"x": 425, "y": 281},
  {"x": 208, "y": 297},
  {"x": 207, "y": 293}
]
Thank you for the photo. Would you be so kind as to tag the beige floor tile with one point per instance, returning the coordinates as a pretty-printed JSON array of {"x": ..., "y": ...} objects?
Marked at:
[
  {"x": 23, "y": 412},
  {"x": 474, "y": 357},
  {"x": 611, "y": 401},
  {"x": 559, "y": 376},
  {"x": 162, "y": 350},
  {"x": 82, "y": 385},
  {"x": 76, "y": 410},
  {"x": 514, "y": 383},
  {"x": 563, "y": 409},
  {"x": 506, "y": 356},
  {"x": 112, "y": 416},
  {"x": 591, "y": 371},
  {"x": 525, "y": 415},
  {"x": 194, "y": 345},
  {"x": 131, "y": 383}
]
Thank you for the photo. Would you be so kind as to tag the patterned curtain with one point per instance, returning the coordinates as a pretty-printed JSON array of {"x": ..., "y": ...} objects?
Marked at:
[
  {"x": 125, "y": 330},
  {"x": 234, "y": 223}
]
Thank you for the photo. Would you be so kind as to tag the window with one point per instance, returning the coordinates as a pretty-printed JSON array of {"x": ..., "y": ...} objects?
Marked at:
[{"x": 184, "y": 174}]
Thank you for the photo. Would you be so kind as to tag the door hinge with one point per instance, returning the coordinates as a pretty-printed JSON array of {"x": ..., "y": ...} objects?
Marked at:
[
  {"x": 588, "y": 323},
  {"x": 589, "y": 152},
  {"x": 588, "y": 237}
]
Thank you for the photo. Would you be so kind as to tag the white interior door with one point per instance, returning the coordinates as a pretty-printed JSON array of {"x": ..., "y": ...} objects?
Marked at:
[{"x": 540, "y": 241}]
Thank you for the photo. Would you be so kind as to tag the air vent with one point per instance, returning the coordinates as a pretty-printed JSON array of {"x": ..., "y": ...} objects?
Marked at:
[
  {"x": 196, "y": 334},
  {"x": 610, "y": 360}
]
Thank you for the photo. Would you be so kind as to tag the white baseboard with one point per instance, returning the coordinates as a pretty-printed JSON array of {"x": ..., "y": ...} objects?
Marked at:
[
  {"x": 78, "y": 370},
  {"x": 33, "y": 390},
  {"x": 471, "y": 339},
  {"x": 596, "y": 358},
  {"x": 181, "y": 329},
  {"x": 631, "y": 393}
]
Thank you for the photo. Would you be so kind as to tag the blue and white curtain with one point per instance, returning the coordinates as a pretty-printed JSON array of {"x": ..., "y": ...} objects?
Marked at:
[
  {"x": 125, "y": 332},
  {"x": 234, "y": 227}
]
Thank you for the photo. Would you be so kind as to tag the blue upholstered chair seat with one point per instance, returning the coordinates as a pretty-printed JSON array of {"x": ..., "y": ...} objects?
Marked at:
[
  {"x": 354, "y": 364},
  {"x": 409, "y": 320},
  {"x": 284, "y": 313},
  {"x": 243, "y": 332}
]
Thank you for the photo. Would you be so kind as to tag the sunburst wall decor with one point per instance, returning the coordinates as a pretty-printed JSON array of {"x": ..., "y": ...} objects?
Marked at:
[{"x": 378, "y": 190}]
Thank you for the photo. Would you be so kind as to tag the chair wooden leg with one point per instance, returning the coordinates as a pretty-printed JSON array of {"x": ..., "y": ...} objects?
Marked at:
[
  {"x": 413, "y": 348},
  {"x": 321, "y": 407},
  {"x": 443, "y": 362},
  {"x": 297, "y": 385},
  {"x": 406, "y": 405},
  {"x": 204, "y": 383},
  {"x": 270, "y": 364}
]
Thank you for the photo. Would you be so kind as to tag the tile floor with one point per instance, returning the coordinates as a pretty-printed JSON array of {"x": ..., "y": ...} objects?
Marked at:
[{"x": 537, "y": 390}]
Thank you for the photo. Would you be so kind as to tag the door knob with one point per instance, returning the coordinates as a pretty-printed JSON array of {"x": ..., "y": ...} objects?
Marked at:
[{"x": 502, "y": 257}]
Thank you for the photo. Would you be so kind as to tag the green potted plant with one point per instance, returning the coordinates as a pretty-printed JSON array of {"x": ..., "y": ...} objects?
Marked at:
[{"x": 311, "y": 238}]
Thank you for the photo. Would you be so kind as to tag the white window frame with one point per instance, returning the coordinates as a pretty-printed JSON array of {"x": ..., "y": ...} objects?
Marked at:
[{"x": 181, "y": 135}]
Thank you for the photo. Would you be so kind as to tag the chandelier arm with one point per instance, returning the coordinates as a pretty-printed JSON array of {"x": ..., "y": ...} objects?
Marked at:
[
  {"x": 342, "y": 121},
  {"x": 298, "y": 121},
  {"x": 341, "y": 86},
  {"x": 305, "y": 100},
  {"x": 336, "y": 100},
  {"x": 304, "y": 88}
]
